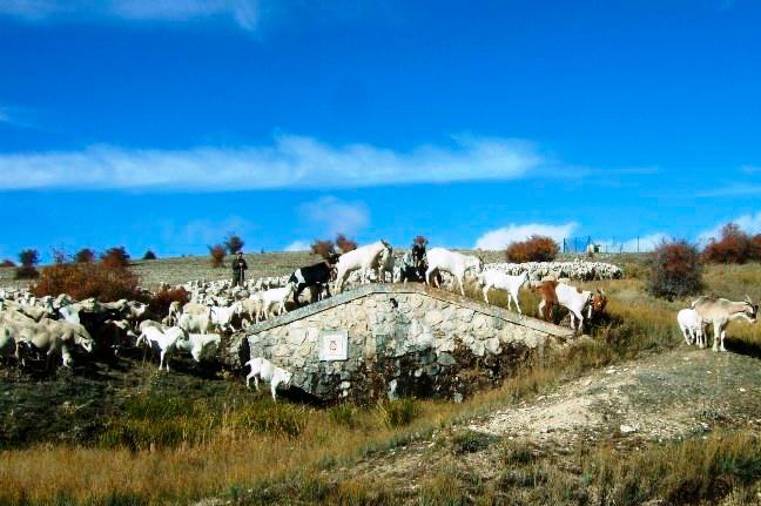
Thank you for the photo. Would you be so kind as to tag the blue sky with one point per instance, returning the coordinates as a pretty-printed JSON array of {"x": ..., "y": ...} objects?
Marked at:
[{"x": 168, "y": 124}]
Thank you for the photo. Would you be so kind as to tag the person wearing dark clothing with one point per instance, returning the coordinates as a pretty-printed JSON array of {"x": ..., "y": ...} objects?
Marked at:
[
  {"x": 418, "y": 253},
  {"x": 239, "y": 269}
]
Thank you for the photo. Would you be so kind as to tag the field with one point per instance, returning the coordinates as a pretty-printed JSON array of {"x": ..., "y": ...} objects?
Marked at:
[{"x": 629, "y": 416}]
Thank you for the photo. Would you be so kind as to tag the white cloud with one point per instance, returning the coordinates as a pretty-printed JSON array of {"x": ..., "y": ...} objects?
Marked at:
[
  {"x": 750, "y": 223},
  {"x": 243, "y": 12},
  {"x": 299, "y": 246},
  {"x": 290, "y": 162},
  {"x": 333, "y": 216},
  {"x": 498, "y": 239}
]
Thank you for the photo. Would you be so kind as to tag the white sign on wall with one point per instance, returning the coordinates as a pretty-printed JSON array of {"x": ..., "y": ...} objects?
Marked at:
[{"x": 334, "y": 345}]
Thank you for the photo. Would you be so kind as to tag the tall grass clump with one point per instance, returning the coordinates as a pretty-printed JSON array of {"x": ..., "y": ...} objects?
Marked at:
[
  {"x": 675, "y": 270},
  {"x": 536, "y": 248},
  {"x": 686, "y": 472},
  {"x": 398, "y": 413}
]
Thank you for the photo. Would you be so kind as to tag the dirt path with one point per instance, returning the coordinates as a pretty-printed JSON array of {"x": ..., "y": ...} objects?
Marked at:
[{"x": 675, "y": 394}]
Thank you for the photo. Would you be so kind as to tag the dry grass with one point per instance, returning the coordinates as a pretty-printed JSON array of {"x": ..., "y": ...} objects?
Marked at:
[{"x": 238, "y": 451}]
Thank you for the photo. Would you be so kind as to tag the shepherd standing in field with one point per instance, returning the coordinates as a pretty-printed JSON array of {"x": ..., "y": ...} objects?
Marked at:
[{"x": 239, "y": 269}]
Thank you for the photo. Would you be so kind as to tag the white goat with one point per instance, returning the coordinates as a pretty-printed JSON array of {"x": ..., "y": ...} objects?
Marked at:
[
  {"x": 263, "y": 369},
  {"x": 195, "y": 318},
  {"x": 274, "y": 298},
  {"x": 199, "y": 345},
  {"x": 457, "y": 264},
  {"x": 719, "y": 312},
  {"x": 575, "y": 300},
  {"x": 692, "y": 327},
  {"x": 501, "y": 281},
  {"x": 365, "y": 258},
  {"x": 222, "y": 316},
  {"x": 165, "y": 340}
]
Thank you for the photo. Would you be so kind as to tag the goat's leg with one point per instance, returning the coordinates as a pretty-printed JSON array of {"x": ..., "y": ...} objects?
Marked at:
[
  {"x": 541, "y": 309},
  {"x": 723, "y": 335},
  {"x": 486, "y": 294},
  {"x": 273, "y": 388},
  {"x": 716, "y": 335},
  {"x": 515, "y": 299}
]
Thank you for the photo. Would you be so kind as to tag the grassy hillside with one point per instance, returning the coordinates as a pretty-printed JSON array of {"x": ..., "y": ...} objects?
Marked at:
[{"x": 126, "y": 434}]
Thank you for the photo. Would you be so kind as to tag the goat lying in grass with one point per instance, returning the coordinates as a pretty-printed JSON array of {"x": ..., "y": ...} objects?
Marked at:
[{"x": 263, "y": 369}]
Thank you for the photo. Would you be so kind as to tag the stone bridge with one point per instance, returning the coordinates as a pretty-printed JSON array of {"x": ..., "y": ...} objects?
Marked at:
[{"x": 388, "y": 340}]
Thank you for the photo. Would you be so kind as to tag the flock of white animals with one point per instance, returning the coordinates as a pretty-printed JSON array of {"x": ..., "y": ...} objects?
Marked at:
[{"x": 54, "y": 325}]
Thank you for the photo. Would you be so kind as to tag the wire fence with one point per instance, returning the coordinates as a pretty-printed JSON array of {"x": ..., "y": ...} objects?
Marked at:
[{"x": 588, "y": 244}]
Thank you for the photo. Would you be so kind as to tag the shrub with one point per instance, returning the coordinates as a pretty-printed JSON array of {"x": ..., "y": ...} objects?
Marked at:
[
  {"x": 149, "y": 255},
  {"x": 734, "y": 247},
  {"x": 217, "y": 253},
  {"x": 345, "y": 244},
  {"x": 675, "y": 271},
  {"x": 420, "y": 240},
  {"x": 115, "y": 257},
  {"x": 7, "y": 263},
  {"x": 84, "y": 256},
  {"x": 87, "y": 280},
  {"x": 234, "y": 244},
  {"x": 755, "y": 248},
  {"x": 536, "y": 248},
  {"x": 159, "y": 304},
  {"x": 29, "y": 259},
  {"x": 323, "y": 248}
]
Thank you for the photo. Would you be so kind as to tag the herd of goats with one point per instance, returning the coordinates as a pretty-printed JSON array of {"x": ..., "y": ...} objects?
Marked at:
[{"x": 57, "y": 326}]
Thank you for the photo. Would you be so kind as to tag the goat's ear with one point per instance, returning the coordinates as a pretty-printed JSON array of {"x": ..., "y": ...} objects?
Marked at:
[{"x": 748, "y": 300}]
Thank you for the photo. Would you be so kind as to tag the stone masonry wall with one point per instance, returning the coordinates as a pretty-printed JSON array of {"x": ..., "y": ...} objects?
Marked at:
[{"x": 401, "y": 341}]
